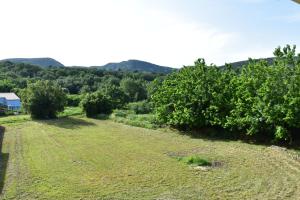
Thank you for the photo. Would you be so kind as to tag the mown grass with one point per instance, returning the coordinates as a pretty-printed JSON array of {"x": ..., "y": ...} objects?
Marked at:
[
  {"x": 79, "y": 158},
  {"x": 14, "y": 119}
]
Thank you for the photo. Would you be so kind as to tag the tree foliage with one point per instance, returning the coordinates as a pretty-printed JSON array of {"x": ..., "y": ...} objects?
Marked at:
[
  {"x": 76, "y": 80},
  {"x": 135, "y": 89},
  {"x": 118, "y": 97},
  {"x": 261, "y": 100},
  {"x": 96, "y": 103},
  {"x": 43, "y": 99},
  {"x": 197, "y": 96}
]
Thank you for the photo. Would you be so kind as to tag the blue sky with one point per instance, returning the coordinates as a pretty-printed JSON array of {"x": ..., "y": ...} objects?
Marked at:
[{"x": 166, "y": 32}]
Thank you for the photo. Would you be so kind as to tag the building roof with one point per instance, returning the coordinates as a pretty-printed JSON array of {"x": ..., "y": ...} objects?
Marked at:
[{"x": 9, "y": 96}]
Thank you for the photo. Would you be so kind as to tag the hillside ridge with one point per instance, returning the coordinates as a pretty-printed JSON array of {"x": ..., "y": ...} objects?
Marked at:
[{"x": 41, "y": 62}]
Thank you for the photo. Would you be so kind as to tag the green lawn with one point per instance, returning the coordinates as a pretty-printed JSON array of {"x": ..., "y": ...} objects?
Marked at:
[{"x": 79, "y": 158}]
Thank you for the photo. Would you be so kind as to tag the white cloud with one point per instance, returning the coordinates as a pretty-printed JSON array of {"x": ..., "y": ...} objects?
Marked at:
[{"x": 94, "y": 32}]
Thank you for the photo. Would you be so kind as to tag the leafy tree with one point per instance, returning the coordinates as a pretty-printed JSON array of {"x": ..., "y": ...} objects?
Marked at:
[
  {"x": 194, "y": 97},
  {"x": 117, "y": 96},
  {"x": 96, "y": 103},
  {"x": 262, "y": 100},
  {"x": 135, "y": 89},
  {"x": 110, "y": 80},
  {"x": 154, "y": 85},
  {"x": 85, "y": 89},
  {"x": 6, "y": 85},
  {"x": 267, "y": 97},
  {"x": 43, "y": 99}
]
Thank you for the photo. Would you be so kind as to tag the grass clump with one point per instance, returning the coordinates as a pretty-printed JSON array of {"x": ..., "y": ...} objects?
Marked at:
[{"x": 195, "y": 161}]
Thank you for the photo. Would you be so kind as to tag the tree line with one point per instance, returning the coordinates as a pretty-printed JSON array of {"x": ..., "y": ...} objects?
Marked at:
[
  {"x": 259, "y": 100},
  {"x": 74, "y": 80},
  {"x": 46, "y": 91}
]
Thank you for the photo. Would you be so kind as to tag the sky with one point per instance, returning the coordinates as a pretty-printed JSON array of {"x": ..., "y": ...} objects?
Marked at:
[{"x": 166, "y": 32}]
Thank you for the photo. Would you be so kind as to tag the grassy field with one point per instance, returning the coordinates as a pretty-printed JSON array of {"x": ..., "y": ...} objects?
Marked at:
[{"x": 79, "y": 158}]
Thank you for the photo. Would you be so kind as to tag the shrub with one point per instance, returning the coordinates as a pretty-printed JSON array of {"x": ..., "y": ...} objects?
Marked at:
[
  {"x": 141, "y": 107},
  {"x": 96, "y": 103},
  {"x": 43, "y": 99}
]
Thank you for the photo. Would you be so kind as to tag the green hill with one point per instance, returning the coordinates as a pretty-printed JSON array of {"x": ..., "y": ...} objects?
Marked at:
[
  {"x": 42, "y": 62},
  {"x": 136, "y": 65},
  {"x": 239, "y": 64}
]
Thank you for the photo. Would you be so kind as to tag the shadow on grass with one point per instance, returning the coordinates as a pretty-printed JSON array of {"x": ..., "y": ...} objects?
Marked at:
[
  {"x": 218, "y": 134},
  {"x": 3, "y": 160},
  {"x": 100, "y": 117},
  {"x": 209, "y": 134},
  {"x": 67, "y": 122}
]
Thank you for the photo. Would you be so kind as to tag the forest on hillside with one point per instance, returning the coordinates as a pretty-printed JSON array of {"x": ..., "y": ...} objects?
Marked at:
[{"x": 75, "y": 80}]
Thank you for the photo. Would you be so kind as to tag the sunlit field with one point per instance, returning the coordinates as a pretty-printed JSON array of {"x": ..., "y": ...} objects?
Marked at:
[{"x": 79, "y": 158}]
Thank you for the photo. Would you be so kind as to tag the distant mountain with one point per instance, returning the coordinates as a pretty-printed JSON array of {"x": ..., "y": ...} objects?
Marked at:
[
  {"x": 42, "y": 62},
  {"x": 239, "y": 64},
  {"x": 136, "y": 65}
]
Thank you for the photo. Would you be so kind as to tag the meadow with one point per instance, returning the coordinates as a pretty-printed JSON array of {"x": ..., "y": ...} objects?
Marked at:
[{"x": 80, "y": 158}]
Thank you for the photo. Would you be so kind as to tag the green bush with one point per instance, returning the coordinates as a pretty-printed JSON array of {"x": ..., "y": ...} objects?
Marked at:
[
  {"x": 96, "y": 103},
  {"x": 43, "y": 99},
  {"x": 141, "y": 107}
]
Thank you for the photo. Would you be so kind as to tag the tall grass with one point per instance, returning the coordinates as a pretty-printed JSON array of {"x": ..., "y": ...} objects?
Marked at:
[{"x": 130, "y": 118}]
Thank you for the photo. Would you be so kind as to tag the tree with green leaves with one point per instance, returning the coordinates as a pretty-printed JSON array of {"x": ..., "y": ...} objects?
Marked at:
[
  {"x": 135, "y": 89},
  {"x": 96, "y": 103},
  {"x": 43, "y": 99},
  {"x": 117, "y": 96},
  {"x": 196, "y": 96},
  {"x": 262, "y": 100}
]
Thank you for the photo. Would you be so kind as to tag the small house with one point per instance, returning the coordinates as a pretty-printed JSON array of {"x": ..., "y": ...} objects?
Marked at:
[{"x": 11, "y": 101}]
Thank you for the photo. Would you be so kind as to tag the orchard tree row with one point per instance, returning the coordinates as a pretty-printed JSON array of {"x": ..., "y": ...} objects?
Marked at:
[{"x": 259, "y": 100}]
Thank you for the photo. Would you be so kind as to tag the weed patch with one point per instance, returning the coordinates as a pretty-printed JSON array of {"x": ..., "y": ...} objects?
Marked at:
[{"x": 195, "y": 161}]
